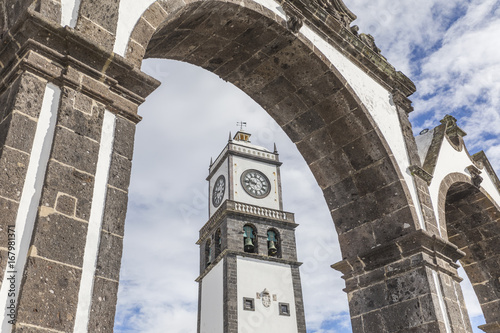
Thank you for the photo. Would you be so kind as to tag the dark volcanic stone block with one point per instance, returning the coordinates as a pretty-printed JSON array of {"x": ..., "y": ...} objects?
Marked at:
[
  {"x": 50, "y": 295},
  {"x": 60, "y": 238}
]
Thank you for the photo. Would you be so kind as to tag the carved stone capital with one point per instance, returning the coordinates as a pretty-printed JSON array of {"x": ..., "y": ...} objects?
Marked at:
[{"x": 423, "y": 248}]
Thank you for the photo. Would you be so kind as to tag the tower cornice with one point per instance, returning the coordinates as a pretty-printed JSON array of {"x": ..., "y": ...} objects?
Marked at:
[
  {"x": 242, "y": 150},
  {"x": 234, "y": 208},
  {"x": 227, "y": 253}
]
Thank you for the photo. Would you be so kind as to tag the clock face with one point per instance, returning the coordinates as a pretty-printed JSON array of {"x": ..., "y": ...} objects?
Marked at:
[
  {"x": 255, "y": 183},
  {"x": 218, "y": 191}
]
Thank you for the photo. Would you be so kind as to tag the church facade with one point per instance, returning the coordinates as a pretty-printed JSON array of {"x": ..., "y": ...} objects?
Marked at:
[{"x": 406, "y": 209}]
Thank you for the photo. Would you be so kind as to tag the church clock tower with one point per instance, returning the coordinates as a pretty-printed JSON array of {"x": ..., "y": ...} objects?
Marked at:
[{"x": 249, "y": 275}]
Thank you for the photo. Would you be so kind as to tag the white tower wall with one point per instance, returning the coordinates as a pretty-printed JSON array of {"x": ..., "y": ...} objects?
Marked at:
[
  {"x": 212, "y": 301},
  {"x": 255, "y": 276}
]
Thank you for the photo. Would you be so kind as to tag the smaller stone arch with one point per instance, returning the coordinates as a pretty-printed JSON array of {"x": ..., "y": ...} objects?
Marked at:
[{"x": 472, "y": 222}]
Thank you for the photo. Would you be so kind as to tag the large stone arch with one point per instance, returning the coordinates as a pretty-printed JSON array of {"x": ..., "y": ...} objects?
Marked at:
[
  {"x": 315, "y": 106},
  {"x": 472, "y": 222},
  {"x": 395, "y": 270},
  {"x": 302, "y": 91}
]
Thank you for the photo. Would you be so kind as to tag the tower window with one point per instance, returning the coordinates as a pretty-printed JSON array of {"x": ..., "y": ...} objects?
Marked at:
[
  {"x": 248, "y": 304},
  {"x": 249, "y": 239},
  {"x": 273, "y": 243},
  {"x": 284, "y": 309},
  {"x": 208, "y": 253}
]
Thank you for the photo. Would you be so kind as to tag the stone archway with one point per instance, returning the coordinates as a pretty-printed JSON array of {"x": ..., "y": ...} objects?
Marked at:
[
  {"x": 304, "y": 94},
  {"x": 472, "y": 222},
  {"x": 73, "y": 232}
]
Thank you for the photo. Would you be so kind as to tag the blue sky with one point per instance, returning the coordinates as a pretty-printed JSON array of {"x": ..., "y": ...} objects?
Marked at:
[{"x": 444, "y": 46}]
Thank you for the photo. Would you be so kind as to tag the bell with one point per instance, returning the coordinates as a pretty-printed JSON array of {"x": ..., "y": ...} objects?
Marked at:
[
  {"x": 272, "y": 250},
  {"x": 248, "y": 244}
]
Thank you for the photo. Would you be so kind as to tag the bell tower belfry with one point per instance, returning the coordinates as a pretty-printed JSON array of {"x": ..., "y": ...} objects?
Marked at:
[{"x": 249, "y": 274}]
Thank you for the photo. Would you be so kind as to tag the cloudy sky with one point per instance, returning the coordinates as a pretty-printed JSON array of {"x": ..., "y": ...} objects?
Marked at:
[{"x": 449, "y": 48}]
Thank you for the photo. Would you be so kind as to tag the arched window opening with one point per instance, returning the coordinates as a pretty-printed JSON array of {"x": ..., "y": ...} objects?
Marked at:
[
  {"x": 249, "y": 239},
  {"x": 218, "y": 243},
  {"x": 208, "y": 253},
  {"x": 273, "y": 243}
]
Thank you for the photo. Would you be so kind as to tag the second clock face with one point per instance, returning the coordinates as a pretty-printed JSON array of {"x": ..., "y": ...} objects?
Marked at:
[
  {"x": 255, "y": 183},
  {"x": 218, "y": 191}
]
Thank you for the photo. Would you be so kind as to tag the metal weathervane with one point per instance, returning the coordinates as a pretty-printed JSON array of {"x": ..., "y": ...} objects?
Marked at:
[{"x": 241, "y": 124}]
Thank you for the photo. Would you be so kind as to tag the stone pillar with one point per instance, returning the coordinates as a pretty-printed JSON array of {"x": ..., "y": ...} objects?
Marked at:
[
  {"x": 68, "y": 112},
  {"x": 410, "y": 284},
  {"x": 421, "y": 178}
]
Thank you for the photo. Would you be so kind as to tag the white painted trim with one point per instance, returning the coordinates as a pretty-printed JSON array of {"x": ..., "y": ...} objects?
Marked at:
[
  {"x": 69, "y": 12},
  {"x": 442, "y": 305},
  {"x": 95, "y": 223},
  {"x": 32, "y": 191},
  {"x": 129, "y": 13}
]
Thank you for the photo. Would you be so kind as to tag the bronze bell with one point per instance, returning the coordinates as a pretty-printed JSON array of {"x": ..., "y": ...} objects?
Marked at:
[
  {"x": 248, "y": 244},
  {"x": 272, "y": 250}
]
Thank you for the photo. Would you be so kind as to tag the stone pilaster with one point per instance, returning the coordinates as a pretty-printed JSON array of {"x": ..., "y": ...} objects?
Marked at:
[
  {"x": 230, "y": 294},
  {"x": 37, "y": 54}
]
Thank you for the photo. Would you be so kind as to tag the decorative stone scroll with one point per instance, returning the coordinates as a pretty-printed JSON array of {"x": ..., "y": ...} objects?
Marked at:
[
  {"x": 475, "y": 175},
  {"x": 294, "y": 23}
]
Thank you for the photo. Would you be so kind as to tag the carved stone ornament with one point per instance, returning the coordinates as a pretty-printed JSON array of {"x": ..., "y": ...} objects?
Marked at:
[
  {"x": 354, "y": 29},
  {"x": 266, "y": 298},
  {"x": 294, "y": 23},
  {"x": 453, "y": 132},
  {"x": 370, "y": 41},
  {"x": 475, "y": 175},
  {"x": 338, "y": 10},
  {"x": 452, "y": 128}
]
